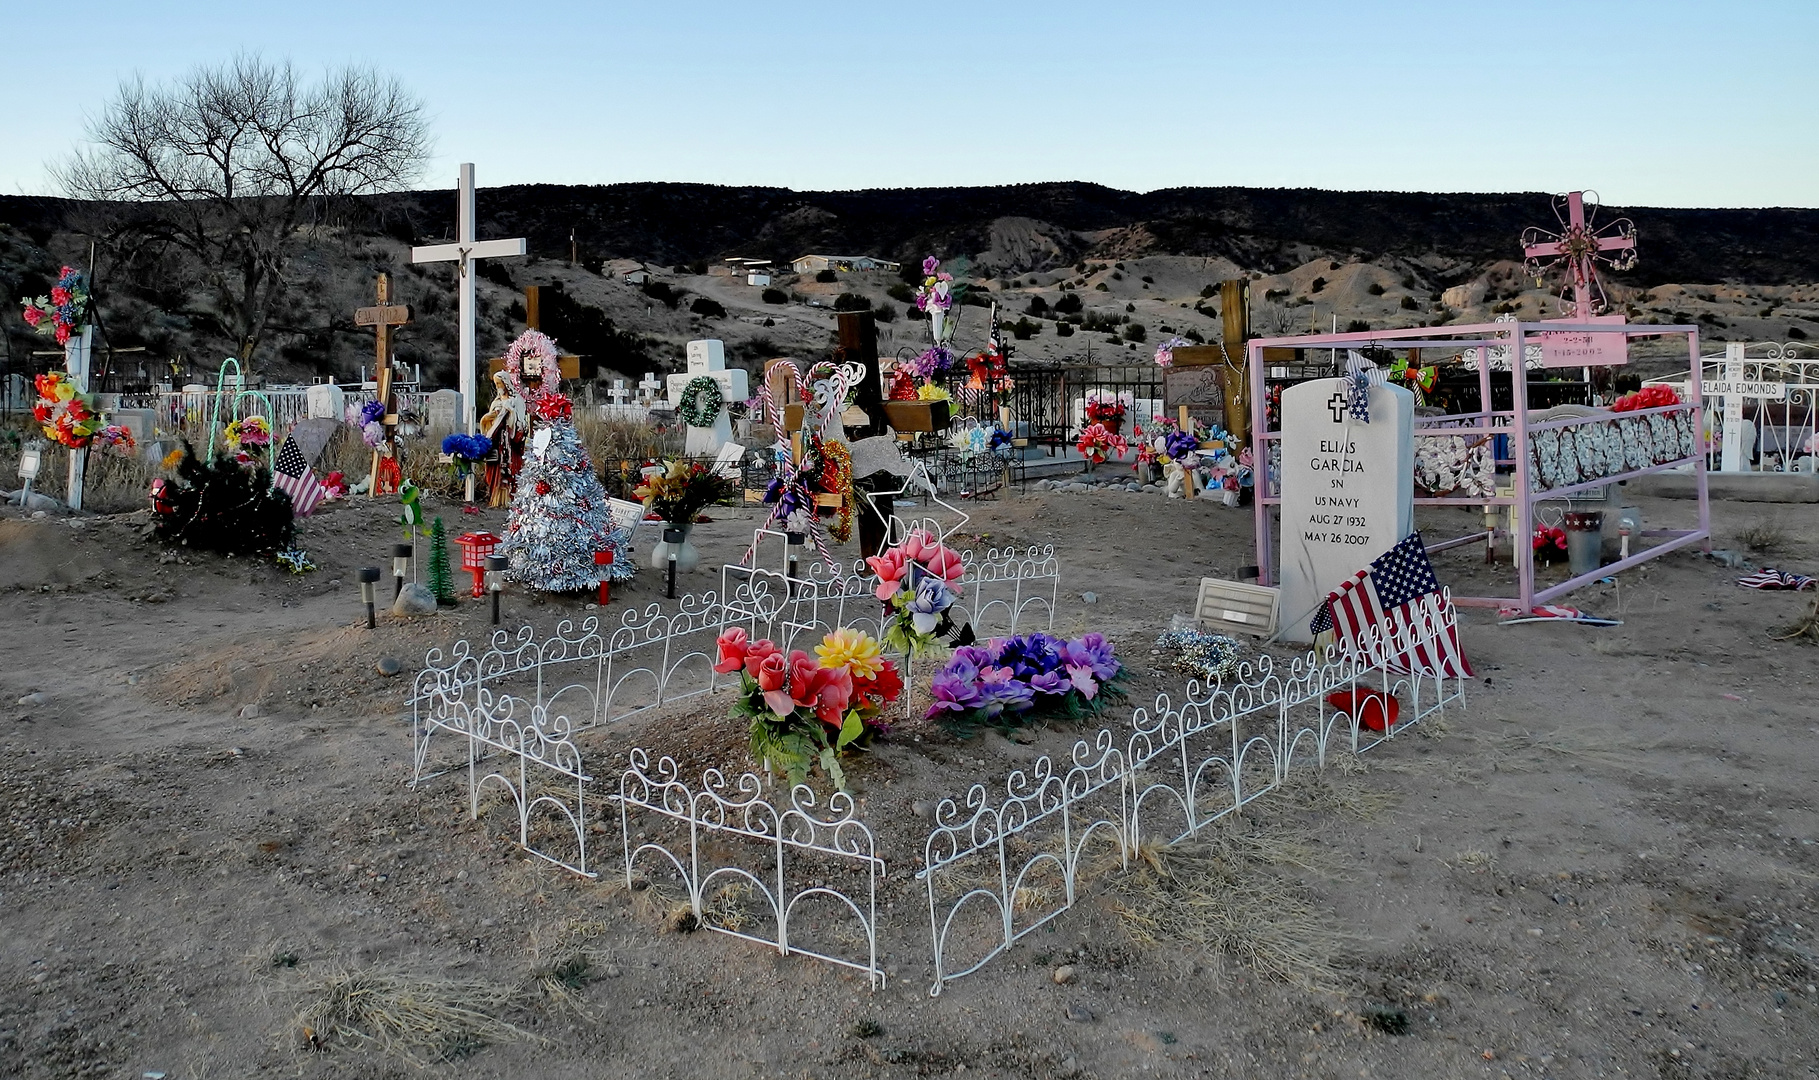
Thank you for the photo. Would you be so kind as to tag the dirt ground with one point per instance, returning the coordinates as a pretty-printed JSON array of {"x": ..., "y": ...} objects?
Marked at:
[{"x": 1604, "y": 865}]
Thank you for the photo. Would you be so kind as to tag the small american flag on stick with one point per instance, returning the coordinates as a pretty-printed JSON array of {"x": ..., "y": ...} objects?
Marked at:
[
  {"x": 291, "y": 474},
  {"x": 1394, "y": 606}
]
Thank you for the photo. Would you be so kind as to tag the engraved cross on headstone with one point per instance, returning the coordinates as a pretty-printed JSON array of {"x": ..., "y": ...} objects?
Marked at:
[{"x": 1337, "y": 405}]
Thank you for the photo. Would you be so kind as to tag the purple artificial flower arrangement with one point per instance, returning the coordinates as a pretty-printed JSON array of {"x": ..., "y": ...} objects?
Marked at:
[{"x": 1016, "y": 681}]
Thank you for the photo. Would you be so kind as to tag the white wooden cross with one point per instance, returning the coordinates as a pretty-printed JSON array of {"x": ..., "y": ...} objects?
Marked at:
[
  {"x": 619, "y": 393},
  {"x": 462, "y": 252},
  {"x": 648, "y": 387},
  {"x": 709, "y": 358},
  {"x": 1733, "y": 389}
]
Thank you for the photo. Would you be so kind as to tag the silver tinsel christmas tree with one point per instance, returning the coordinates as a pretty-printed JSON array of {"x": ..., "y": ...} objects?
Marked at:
[{"x": 559, "y": 518}]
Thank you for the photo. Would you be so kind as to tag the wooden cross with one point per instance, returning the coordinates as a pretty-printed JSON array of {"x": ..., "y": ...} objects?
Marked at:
[
  {"x": 1579, "y": 247},
  {"x": 382, "y": 317},
  {"x": 462, "y": 252}
]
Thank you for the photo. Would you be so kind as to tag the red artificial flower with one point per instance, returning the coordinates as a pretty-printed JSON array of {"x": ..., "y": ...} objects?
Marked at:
[
  {"x": 41, "y": 413},
  {"x": 883, "y": 687},
  {"x": 33, "y": 316},
  {"x": 732, "y": 642},
  {"x": 62, "y": 334},
  {"x": 60, "y": 296},
  {"x": 757, "y": 652},
  {"x": 772, "y": 674}
]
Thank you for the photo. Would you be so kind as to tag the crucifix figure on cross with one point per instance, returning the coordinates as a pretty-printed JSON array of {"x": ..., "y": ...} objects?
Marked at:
[
  {"x": 1577, "y": 247},
  {"x": 462, "y": 252}
]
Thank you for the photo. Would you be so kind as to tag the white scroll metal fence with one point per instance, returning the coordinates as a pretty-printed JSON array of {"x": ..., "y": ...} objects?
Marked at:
[
  {"x": 505, "y": 715},
  {"x": 783, "y": 871},
  {"x": 999, "y": 866},
  {"x": 792, "y": 876},
  {"x": 1777, "y": 387}
]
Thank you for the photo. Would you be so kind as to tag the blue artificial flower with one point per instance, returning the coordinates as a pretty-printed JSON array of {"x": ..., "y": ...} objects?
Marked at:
[{"x": 931, "y": 598}]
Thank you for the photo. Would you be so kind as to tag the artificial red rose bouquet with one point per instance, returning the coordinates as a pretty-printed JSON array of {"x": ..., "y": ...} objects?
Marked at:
[{"x": 807, "y": 710}]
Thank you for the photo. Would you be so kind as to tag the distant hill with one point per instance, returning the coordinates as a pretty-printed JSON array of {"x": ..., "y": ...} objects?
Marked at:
[
  {"x": 1269, "y": 230},
  {"x": 1138, "y": 261}
]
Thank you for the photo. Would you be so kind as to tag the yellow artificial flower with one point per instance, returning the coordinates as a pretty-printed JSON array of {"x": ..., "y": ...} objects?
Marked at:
[
  {"x": 855, "y": 650},
  {"x": 172, "y": 459},
  {"x": 931, "y": 392}
]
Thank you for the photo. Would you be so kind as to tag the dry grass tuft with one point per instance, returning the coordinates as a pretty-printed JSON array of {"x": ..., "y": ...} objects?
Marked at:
[
  {"x": 1764, "y": 536},
  {"x": 421, "y": 1019},
  {"x": 1806, "y": 630},
  {"x": 1345, "y": 798},
  {"x": 1226, "y": 895}
]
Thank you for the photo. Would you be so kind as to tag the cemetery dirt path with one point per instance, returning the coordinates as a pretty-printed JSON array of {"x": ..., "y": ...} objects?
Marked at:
[{"x": 1604, "y": 865}]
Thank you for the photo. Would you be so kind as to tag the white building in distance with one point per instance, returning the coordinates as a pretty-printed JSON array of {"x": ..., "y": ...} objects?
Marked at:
[{"x": 814, "y": 264}]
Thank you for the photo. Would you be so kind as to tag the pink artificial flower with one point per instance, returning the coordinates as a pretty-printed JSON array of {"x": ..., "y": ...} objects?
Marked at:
[
  {"x": 890, "y": 568},
  {"x": 1083, "y": 681},
  {"x": 803, "y": 688},
  {"x": 833, "y": 692}
]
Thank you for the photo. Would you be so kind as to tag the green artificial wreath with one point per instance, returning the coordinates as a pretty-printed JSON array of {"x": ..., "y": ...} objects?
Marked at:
[{"x": 701, "y": 402}]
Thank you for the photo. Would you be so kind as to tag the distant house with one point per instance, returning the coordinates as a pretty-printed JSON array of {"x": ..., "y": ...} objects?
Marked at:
[
  {"x": 636, "y": 277},
  {"x": 814, "y": 264}
]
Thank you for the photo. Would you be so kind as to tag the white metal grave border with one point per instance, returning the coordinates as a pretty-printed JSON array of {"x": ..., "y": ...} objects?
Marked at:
[
  {"x": 789, "y": 837},
  {"x": 1177, "y": 770}
]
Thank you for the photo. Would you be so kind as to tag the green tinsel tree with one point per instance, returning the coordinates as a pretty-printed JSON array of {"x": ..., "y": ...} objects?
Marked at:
[{"x": 441, "y": 582}]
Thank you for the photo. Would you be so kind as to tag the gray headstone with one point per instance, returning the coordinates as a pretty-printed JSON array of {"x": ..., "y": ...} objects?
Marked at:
[
  {"x": 326, "y": 401},
  {"x": 880, "y": 454},
  {"x": 1348, "y": 490},
  {"x": 141, "y": 422},
  {"x": 312, "y": 435},
  {"x": 443, "y": 409}
]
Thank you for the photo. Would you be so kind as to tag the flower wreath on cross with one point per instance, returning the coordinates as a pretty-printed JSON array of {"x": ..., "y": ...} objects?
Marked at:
[
  {"x": 539, "y": 351},
  {"x": 701, "y": 402}
]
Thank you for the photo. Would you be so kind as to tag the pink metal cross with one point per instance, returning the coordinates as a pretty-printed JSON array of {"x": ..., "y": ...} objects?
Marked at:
[{"x": 1579, "y": 246}]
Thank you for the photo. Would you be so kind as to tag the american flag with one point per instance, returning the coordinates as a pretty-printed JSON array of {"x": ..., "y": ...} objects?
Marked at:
[
  {"x": 1397, "y": 599},
  {"x": 291, "y": 474},
  {"x": 1777, "y": 579}
]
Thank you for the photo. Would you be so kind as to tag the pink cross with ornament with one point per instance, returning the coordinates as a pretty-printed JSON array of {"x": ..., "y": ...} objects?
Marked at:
[{"x": 1577, "y": 248}]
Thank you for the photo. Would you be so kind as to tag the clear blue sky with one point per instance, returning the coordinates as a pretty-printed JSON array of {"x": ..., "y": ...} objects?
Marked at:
[{"x": 1662, "y": 103}]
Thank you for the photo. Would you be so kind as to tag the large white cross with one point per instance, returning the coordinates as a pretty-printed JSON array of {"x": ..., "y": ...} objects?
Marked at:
[{"x": 462, "y": 253}]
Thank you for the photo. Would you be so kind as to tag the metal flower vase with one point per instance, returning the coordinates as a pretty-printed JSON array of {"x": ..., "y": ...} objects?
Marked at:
[{"x": 687, "y": 557}]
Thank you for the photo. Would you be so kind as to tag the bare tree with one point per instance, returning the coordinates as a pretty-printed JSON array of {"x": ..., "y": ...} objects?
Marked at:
[{"x": 231, "y": 162}]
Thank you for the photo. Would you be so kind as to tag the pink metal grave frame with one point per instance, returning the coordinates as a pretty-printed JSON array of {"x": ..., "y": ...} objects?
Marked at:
[{"x": 1513, "y": 336}]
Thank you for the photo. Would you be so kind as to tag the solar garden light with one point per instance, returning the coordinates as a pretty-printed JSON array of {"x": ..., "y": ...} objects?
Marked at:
[
  {"x": 475, "y": 548},
  {"x": 368, "y": 576},
  {"x": 31, "y": 459},
  {"x": 605, "y": 559},
  {"x": 796, "y": 541},
  {"x": 496, "y": 566},
  {"x": 673, "y": 536},
  {"x": 401, "y": 567}
]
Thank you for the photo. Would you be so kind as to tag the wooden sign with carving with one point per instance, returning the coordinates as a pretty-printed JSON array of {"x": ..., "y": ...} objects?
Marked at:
[{"x": 1201, "y": 390}]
